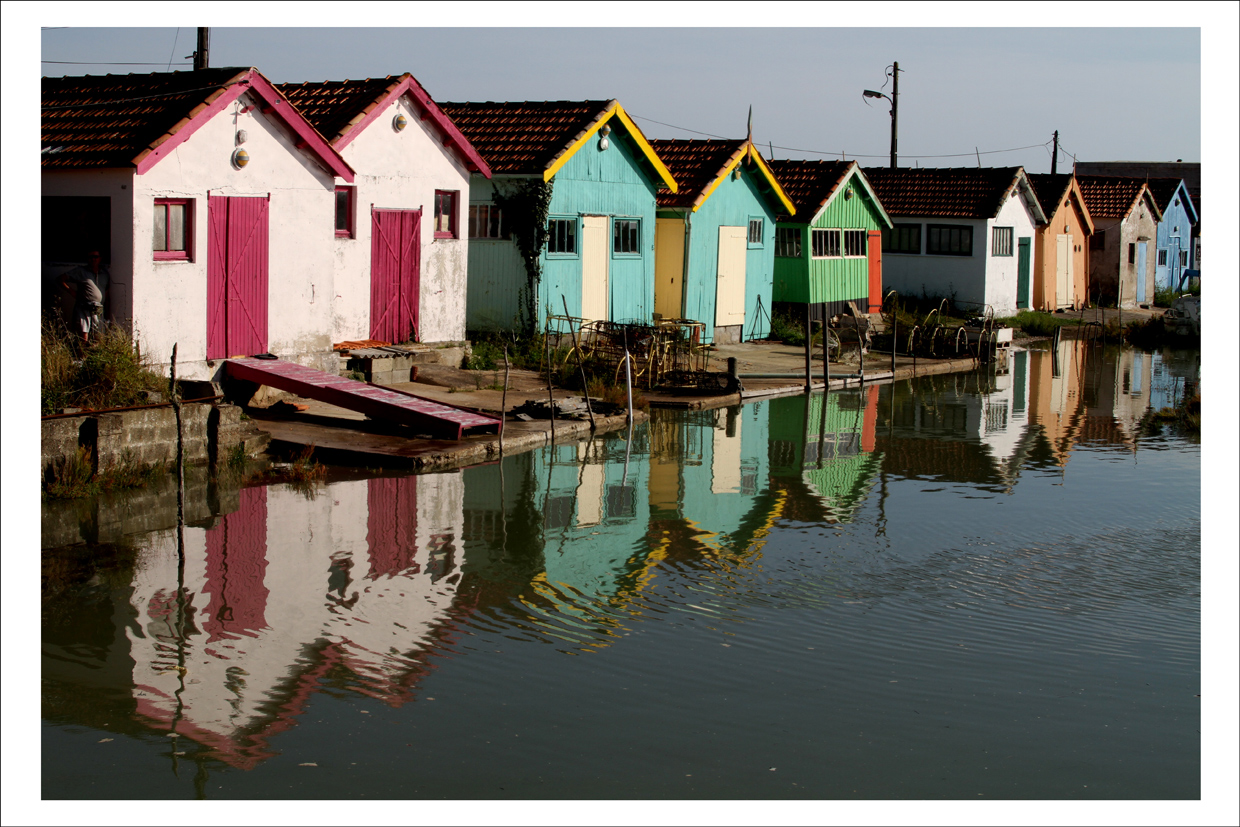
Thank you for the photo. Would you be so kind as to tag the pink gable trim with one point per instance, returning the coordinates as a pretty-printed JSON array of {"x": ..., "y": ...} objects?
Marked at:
[
  {"x": 309, "y": 140},
  {"x": 408, "y": 85}
]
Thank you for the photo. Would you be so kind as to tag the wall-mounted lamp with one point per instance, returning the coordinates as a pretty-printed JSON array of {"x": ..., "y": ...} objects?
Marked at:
[
  {"x": 399, "y": 122},
  {"x": 241, "y": 137},
  {"x": 603, "y": 143},
  {"x": 847, "y": 194},
  {"x": 240, "y": 158},
  {"x": 736, "y": 173}
]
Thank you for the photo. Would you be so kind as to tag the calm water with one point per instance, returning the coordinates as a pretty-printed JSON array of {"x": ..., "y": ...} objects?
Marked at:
[{"x": 958, "y": 587}]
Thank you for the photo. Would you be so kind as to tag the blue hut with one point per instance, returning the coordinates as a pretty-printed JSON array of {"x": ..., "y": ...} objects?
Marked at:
[
  {"x": 715, "y": 237},
  {"x": 1175, "y": 232},
  {"x": 567, "y": 217}
]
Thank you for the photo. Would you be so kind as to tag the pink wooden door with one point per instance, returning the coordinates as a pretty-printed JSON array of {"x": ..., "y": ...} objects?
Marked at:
[
  {"x": 237, "y": 260},
  {"x": 395, "y": 262},
  {"x": 237, "y": 569}
]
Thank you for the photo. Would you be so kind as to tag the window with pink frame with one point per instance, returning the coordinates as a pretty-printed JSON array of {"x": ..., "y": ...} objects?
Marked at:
[
  {"x": 445, "y": 213},
  {"x": 174, "y": 229}
]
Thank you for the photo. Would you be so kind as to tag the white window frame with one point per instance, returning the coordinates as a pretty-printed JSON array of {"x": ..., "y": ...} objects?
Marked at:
[
  {"x": 1002, "y": 241},
  {"x": 854, "y": 235},
  {"x": 826, "y": 234}
]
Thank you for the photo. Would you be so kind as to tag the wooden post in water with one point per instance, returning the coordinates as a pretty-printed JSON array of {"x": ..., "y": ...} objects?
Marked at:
[
  {"x": 503, "y": 403},
  {"x": 550, "y": 391},
  {"x": 628, "y": 384},
  {"x": 581, "y": 367},
  {"x": 809, "y": 343}
]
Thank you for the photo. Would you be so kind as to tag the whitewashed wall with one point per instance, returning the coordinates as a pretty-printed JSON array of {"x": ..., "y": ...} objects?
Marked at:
[
  {"x": 170, "y": 297},
  {"x": 402, "y": 170},
  {"x": 963, "y": 277},
  {"x": 1001, "y": 271}
]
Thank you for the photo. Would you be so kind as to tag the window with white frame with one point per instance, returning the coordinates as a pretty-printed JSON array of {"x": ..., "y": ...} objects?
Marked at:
[
  {"x": 1001, "y": 241},
  {"x": 562, "y": 236},
  {"x": 485, "y": 221},
  {"x": 755, "y": 232},
  {"x": 854, "y": 243},
  {"x": 949, "y": 240},
  {"x": 788, "y": 242},
  {"x": 626, "y": 238},
  {"x": 826, "y": 244},
  {"x": 173, "y": 235}
]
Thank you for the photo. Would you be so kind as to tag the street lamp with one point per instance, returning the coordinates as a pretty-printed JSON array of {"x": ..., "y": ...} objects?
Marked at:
[{"x": 894, "y": 101}]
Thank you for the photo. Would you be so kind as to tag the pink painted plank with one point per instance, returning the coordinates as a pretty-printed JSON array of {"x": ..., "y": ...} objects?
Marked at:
[{"x": 388, "y": 404}]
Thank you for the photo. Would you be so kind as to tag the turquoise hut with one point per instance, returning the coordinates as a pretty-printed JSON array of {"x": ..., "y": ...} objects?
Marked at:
[
  {"x": 567, "y": 217},
  {"x": 714, "y": 239},
  {"x": 830, "y": 253}
]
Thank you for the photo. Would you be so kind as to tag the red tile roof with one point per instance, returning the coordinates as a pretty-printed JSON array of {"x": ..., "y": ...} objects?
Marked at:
[
  {"x": 523, "y": 137},
  {"x": 333, "y": 105},
  {"x": 810, "y": 183},
  {"x": 1109, "y": 196},
  {"x": 100, "y": 121},
  {"x": 1050, "y": 189},
  {"x": 966, "y": 192},
  {"x": 694, "y": 165}
]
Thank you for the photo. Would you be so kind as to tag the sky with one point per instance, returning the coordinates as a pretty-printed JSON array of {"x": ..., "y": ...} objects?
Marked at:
[{"x": 992, "y": 96}]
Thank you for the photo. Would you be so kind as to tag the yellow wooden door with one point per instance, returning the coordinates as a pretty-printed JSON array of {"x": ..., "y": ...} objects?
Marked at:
[
  {"x": 730, "y": 281},
  {"x": 594, "y": 259},
  {"x": 669, "y": 267}
]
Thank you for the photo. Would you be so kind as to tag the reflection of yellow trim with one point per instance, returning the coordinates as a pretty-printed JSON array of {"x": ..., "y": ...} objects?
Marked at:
[
  {"x": 748, "y": 150},
  {"x": 759, "y": 536},
  {"x": 634, "y": 132}
]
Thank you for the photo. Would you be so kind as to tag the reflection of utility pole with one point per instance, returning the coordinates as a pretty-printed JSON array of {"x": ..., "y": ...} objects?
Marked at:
[{"x": 203, "y": 53}]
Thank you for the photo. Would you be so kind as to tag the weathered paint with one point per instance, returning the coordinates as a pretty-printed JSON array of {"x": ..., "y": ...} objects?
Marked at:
[
  {"x": 237, "y": 276},
  {"x": 1110, "y": 265},
  {"x": 395, "y": 253},
  {"x": 169, "y": 298},
  {"x": 401, "y": 171},
  {"x": 1174, "y": 235},
  {"x": 614, "y": 183},
  {"x": 831, "y": 279}
]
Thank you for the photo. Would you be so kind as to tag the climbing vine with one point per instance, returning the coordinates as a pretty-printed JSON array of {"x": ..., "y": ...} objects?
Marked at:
[{"x": 525, "y": 205}]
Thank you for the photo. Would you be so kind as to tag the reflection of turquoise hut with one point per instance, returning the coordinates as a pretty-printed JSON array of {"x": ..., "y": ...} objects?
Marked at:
[{"x": 827, "y": 442}]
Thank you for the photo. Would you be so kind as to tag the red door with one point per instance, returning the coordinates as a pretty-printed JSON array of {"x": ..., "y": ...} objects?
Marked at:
[
  {"x": 395, "y": 261},
  {"x": 875, "y": 252},
  {"x": 236, "y": 276}
]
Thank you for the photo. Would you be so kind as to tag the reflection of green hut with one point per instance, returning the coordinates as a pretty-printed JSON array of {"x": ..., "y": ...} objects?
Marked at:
[{"x": 827, "y": 442}]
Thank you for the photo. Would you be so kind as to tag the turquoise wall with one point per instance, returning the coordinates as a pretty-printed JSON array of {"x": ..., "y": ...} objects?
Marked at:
[
  {"x": 731, "y": 204},
  {"x": 830, "y": 279}
]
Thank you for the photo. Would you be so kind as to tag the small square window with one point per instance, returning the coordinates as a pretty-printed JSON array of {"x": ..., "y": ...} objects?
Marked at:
[
  {"x": 1162, "y": 258},
  {"x": 626, "y": 236},
  {"x": 788, "y": 242},
  {"x": 445, "y": 213},
  {"x": 485, "y": 221},
  {"x": 562, "y": 237},
  {"x": 854, "y": 243},
  {"x": 755, "y": 232},
  {"x": 826, "y": 243},
  {"x": 345, "y": 211},
  {"x": 1001, "y": 241},
  {"x": 173, "y": 229}
]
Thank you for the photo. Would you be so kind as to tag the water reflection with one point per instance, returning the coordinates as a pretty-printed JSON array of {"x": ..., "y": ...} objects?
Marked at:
[{"x": 356, "y": 589}]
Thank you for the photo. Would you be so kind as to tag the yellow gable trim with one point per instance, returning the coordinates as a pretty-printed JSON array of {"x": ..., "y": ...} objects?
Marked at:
[
  {"x": 736, "y": 159},
  {"x": 635, "y": 133},
  {"x": 748, "y": 150},
  {"x": 770, "y": 177}
]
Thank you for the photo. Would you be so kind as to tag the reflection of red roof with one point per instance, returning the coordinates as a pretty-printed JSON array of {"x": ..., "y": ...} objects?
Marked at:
[
  {"x": 341, "y": 109},
  {"x": 133, "y": 121},
  {"x": 810, "y": 183},
  {"x": 1110, "y": 196},
  {"x": 526, "y": 136},
  {"x": 966, "y": 192},
  {"x": 694, "y": 165}
]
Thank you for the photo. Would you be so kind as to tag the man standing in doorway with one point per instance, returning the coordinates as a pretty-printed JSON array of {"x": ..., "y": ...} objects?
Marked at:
[{"x": 89, "y": 284}]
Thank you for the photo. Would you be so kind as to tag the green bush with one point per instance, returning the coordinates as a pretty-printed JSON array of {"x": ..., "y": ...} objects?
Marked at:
[
  {"x": 788, "y": 330},
  {"x": 110, "y": 372}
]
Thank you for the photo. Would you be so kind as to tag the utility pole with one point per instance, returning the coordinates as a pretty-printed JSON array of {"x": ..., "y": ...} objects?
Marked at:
[
  {"x": 1055, "y": 152},
  {"x": 202, "y": 54},
  {"x": 895, "y": 98}
]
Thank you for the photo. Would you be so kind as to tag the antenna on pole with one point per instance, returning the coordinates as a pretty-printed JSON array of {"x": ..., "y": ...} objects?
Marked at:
[
  {"x": 202, "y": 55},
  {"x": 749, "y": 136}
]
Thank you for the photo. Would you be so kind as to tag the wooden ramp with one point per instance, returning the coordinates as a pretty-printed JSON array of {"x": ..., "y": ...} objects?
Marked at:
[{"x": 426, "y": 416}]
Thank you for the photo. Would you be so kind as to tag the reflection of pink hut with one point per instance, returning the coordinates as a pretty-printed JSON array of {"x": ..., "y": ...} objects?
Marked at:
[{"x": 276, "y": 601}]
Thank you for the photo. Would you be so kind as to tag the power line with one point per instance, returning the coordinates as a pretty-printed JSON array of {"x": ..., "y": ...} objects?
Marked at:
[
  {"x": 175, "y": 37},
  {"x": 105, "y": 63},
  {"x": 851, "y": 154},
  {"x": 143, "y": 98}
]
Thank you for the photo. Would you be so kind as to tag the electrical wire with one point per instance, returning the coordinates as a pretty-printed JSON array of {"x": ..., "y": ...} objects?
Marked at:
[{"x": 175, "y": 38}]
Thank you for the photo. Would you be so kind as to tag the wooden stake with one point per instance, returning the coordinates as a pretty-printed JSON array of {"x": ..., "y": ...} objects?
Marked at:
[
  {"x": 581, "y": 367},
  {"x": 503, "y": 403}
]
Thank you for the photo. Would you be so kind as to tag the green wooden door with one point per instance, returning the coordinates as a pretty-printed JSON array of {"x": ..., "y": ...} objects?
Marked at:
[{"x": 1022, "y": 274}]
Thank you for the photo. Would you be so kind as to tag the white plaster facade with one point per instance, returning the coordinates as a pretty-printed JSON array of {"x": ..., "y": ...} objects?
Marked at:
[
  {"x": 978, "y": 279},
  {"x": 402, "y": 170},
  {"x": 165, "y": 302}
]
